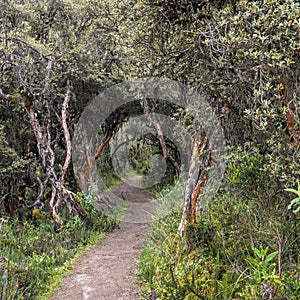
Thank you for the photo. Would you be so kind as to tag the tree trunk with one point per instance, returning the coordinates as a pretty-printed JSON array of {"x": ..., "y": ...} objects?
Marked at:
[
  {"x": 289, "y": 106},
  {"x": 45, "y": 144},
  {"x": 197, "y": 176},
  {"x": 88, "y": 160},
  {"x": 160, "y": 134}
]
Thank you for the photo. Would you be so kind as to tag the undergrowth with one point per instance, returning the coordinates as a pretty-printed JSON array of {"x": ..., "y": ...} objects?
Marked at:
[
  {"x": 245, "y": 247},
  {"x": 36, "y": 253}
]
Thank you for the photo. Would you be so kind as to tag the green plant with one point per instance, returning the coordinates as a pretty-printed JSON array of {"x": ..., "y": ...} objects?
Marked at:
[
  {"x": 262, "y": 265},
  {"x": 34, "y": 254},
  {"x": 295, "y": 201},
  {"x": 217, "y": 263}
]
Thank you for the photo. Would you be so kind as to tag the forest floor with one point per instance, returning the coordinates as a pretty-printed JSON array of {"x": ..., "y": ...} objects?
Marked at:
[{"x": 108, "y": 270}]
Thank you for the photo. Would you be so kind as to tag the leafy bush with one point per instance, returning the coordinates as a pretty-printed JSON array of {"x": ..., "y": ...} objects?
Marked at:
[
  {"x": 247, "y": 247},
  {"x": 35, "y": 251}
]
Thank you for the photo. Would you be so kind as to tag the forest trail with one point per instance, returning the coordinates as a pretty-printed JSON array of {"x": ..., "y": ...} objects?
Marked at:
[{"x": 107, "y": 271}]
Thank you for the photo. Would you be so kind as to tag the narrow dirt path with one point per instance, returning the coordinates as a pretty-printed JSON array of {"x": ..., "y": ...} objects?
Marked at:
[{"x": 107, "y": 271}]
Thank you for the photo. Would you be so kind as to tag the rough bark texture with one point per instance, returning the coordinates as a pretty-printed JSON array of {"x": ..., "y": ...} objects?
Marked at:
[
  {"x": 45, "y": 144},
  {"x": 105, "y": 141},
  {"x": 198, "y": 171}
]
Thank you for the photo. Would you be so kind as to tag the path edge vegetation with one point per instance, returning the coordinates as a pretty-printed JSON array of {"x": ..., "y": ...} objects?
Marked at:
[
  {"x": 38, "y": 254},
  {"x": 235, "y": 252},
  {"x": 64, "y": 270},
  {"x": 242, "y": 56}
]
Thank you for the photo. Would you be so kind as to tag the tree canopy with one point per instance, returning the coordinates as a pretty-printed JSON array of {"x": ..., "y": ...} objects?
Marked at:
[{"x": 242, "y": 56}]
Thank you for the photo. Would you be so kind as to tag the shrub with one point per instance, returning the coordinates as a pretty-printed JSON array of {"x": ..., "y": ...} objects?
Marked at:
[
  {"x": 246, "y": 247},
  {"x": 35, "y": 253}
]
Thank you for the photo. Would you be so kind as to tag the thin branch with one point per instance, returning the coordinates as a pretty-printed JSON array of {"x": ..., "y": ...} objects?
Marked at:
[
  {"x": 66, "y": 134},
  {"x": 105, "y": 141},
  {"x": 160, "y": 134}
]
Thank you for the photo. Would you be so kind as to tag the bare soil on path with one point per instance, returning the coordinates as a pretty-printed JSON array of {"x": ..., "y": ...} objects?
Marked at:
[{"x": 107, "y": 271}]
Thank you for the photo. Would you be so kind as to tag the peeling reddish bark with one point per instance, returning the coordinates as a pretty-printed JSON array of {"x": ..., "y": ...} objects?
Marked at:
[
  {"x": 66, "y": 135},
  {"x": 105, "y": 141},
  {"x": 197, "y": 177},
  {"x": 197, "y": 190},
  {"x": 86, "y": 170},
  {"x": 289, "y": 106}
]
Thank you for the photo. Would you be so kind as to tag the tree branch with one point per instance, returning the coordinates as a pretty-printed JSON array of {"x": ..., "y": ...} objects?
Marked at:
[
  {"x": 160, "y": 134},
  {"x": 66, "y": 134}
]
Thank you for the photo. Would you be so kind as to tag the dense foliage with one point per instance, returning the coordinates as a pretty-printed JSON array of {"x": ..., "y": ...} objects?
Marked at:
[
  {"x": 241, "y": 55},
  {"x": 244, "y": 57},
  {"x": 242, "y": 248},
  {"x": 47, "y": 48},
  {"x": 36, "y": 253}
]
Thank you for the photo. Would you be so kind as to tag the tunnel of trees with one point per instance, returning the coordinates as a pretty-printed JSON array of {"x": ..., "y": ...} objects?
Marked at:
[{"x": 242, "y": 56}]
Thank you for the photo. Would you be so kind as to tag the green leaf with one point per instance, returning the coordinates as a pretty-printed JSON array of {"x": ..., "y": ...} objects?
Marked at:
[
  {"x": 294, "y": 201},
  {"x": 257, "y": 252},
  {"x": 265, "y": 274},
  {"x": 265, "y": 251},
  {"x": 271, "y": 256},
  {"x": 292, "y": 191},
  {"x": 253, "y": 261},
  {"x": 296, "y": 210}
]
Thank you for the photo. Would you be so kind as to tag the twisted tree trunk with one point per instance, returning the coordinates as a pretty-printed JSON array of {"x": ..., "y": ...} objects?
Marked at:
[{"x": 45, "y": 143}]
